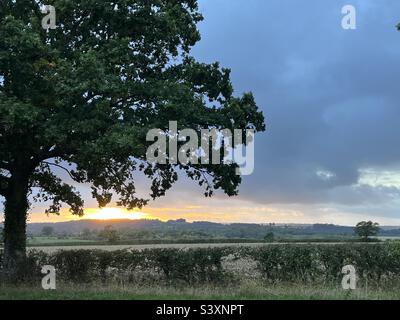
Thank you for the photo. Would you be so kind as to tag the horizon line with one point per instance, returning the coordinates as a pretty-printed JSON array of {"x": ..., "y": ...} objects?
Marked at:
[{"x": 194, "y": 221}]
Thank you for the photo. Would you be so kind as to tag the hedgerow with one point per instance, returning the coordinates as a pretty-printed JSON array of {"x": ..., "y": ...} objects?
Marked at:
[
  {"x": 324, "y": 263},
  {"x": 314, "y": 263}
]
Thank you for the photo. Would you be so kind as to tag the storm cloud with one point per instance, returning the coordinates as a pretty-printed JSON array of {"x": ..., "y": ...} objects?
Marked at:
[{"x": 330, "y": 95}]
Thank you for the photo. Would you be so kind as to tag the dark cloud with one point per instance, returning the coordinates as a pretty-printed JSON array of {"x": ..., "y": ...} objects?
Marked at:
[{"x": 330, "y": 95}]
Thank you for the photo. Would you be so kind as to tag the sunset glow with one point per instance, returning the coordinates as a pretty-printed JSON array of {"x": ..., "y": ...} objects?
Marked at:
[{"x": 114, "y": 214}]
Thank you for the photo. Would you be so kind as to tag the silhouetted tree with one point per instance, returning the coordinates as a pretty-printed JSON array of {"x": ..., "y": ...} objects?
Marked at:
[
  {"x": 109, "y": 234},
  {"x": 81, "y": 98},
  {"x": 366, "y": 229},
  {"x": 47, "y": 231},
  {"x": 269, "y": 237},
  {"x": 86, "y": 233}
]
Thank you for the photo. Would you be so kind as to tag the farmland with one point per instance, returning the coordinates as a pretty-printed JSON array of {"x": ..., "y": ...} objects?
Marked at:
[
  {"x": 54, "y": 248},
  {"x": 179, "y": 260}
]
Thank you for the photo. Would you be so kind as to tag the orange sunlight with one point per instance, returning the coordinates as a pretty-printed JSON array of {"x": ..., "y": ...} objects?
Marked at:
[{"x": 113, "y": 214}]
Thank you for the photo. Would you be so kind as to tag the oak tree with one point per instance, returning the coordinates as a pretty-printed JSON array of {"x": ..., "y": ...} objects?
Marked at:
[
  {"x": 366, "y": 229},
  {"x": 81, "y": 98}
]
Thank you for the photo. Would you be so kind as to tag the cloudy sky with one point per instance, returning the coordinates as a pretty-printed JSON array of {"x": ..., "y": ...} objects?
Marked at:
[{"x": 331, "y": 100}]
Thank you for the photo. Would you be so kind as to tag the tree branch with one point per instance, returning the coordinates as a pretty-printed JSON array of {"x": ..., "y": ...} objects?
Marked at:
[{"x": 61, "y": 167}]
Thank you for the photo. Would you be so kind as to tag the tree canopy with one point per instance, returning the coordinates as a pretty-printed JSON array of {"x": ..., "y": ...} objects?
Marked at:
[
  {"x": 83, "y": 96},
  {"x": 366, "y": 229},
  {"x": 87, "y": 92}
]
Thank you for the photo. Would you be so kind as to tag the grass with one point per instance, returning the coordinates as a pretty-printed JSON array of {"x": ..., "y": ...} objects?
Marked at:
[
  {"x": 76, "y": 241},
  {"x": 43, "y": 241},
  {"x": 250, "y": 291}
]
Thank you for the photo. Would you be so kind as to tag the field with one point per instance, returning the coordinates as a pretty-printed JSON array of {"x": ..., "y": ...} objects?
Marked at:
[
  {"x": 250, "y": 291},
  {"x": 212, "y": 271},
  {"x": 37, "y": 241},
  {"x": 54, "y": 247}
]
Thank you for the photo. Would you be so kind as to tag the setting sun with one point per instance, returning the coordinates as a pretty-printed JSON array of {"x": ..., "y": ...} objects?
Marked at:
[{"x": 113, "y": 214}]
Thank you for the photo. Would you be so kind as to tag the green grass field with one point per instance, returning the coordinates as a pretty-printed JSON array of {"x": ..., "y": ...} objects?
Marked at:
[
  {"x": 76, "y": 241},
  {"x": 41, "y": 241},
  {"x": 245, "y": 292}
]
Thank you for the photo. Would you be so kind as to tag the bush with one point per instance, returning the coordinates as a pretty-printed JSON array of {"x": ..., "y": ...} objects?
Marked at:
[
  {"x": 287, "y": 262},
  {"x": 189, "y": 266},
  {"x": 304, "y": 264},
  {"x": 172, "y": 265},
  {"x": 323, "y": 263}
]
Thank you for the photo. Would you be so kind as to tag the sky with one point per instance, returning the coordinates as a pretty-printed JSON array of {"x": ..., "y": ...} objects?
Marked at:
[{"x": 331, "y": 102}]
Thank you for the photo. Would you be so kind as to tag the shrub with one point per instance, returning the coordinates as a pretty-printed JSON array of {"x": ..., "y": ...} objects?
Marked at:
[
  {"x": 324, "y": 263},
  {"x": 74, "y": 265},
  {"x": 189, "y": 266},
  {"x": 304, "y": 264}
]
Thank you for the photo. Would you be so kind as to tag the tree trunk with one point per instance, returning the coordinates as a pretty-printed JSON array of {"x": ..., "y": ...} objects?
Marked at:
[{"x": 15, "y": 214}]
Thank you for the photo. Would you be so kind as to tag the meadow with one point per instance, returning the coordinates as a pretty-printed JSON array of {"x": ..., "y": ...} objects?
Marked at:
[
  {"x": 244, "y": 291},
  {"x": 54, "y": 247}
]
